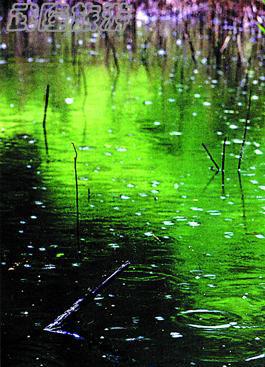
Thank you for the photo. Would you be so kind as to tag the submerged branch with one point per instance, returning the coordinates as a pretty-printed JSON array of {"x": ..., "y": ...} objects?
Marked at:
[{"x": 55, "y": 326}]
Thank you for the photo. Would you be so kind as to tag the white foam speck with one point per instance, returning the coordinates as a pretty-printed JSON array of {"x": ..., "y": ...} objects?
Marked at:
[
  {"x": 176, "y": 335},
  {"x": 193, "y": 224},
  {"x": 69, "y": 100}
]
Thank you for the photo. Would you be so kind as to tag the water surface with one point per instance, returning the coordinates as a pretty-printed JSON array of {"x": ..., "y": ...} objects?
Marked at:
[{"x": 194, "y": 294}]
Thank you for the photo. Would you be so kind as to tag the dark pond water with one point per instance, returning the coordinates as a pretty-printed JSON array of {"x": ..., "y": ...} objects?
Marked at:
[{"x": 194, "y": 294}]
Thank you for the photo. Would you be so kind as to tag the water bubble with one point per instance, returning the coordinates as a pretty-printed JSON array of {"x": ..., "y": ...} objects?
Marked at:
[
  {"x": 197, "y": 209},
  {"x": 113, "y": 245},
  {"x": 228, "y": 234},
  {"x": 69, "y": 100},
  {"x": 149, "y": 234},
  {"x": 121, "y": 149},
  {"x": 142, "y": 194},
  {"x": 159, "y": 318},
  {"x": 161, "y": 52},
  {"x": 49, "y": 267},
  {"x": 233, "y": 127},
  {"x": 193, "y": 224},
  {"x": 175, "y": 133},
  {"x": 38, "y": 202},
  {"x": 175, "y": 334},
  {"x": 214, "y": 212},
  {"x": 237, "y": 141},
  {"x": 168, "y": 223}
]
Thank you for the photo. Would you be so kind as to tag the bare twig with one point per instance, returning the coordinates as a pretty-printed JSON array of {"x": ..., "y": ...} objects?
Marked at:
[{"x": 211, "y": 157}]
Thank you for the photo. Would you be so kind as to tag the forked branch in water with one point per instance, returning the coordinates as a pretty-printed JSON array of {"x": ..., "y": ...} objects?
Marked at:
[{"x": 56, "y": 325}]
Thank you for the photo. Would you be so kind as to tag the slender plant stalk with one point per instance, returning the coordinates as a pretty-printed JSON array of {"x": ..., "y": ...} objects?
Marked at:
[
  {"x": 242, "y": 200},
  {"x": 83, "y": 76},
  {"x": 44, "y": 119},
  {"x": 247, "y": 123},
  {"x": 76, "y": 201},
  {"x": 211, "y": 157},
  {"x": 223, "y": 163},
  {"x": 192, "y": 49},
  {"x": 111, "y": 46},
  {"x": 210, "y": 181}
]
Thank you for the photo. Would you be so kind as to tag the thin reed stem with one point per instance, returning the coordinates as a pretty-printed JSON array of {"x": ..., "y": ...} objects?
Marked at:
[
  {"x": 242, "y": 200},
  {"x": 223, "y": 163},
  {"x": 76, "y": 200},
  {"x": 192, "y": 49},
  {"x": 44, "y": 119},
  {"x": 247, "y": 123},
  {"x": 111, "y": 46},
  {"x": 211, "y": 157}
]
